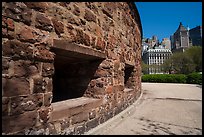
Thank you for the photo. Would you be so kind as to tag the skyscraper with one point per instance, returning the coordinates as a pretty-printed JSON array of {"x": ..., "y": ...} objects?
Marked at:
[
  {"x": 181, "y": 39},
  {"x": 196, "y": 36}
]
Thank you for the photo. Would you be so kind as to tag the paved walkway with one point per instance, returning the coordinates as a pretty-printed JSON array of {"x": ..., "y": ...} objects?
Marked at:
[{"x": 162, "y": 109}]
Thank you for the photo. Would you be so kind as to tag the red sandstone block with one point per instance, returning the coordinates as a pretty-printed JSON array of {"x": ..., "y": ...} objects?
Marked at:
[
  {"x": 18, "y": 122},
  {"x": 58, "y": 26},
  {"x": 18, "y": 12},
  {"x": 20, "y": 104},
  {"x": 80, "y": 117},
  {"x": 16, "y": 86},
  {"x": 89, "y": 16},
  {"x": 73, "y": 19},
  {"x": 44, "y": 114},
  {"x": 48, "y": 99},
  {"x": 26, "y": 68},
  {"x": 82, "y": 37},
  {"x": 47, "y": 69},
  {"x": 5, "y": 106},
  {"x": 41, "y": 53},
  {"x": 76, "y": 10},
  {"x": 14, "y": 48},
  {"x": 100, "y": 44},
  {"x": 10, "y": 24},
  {"x": 93, "y": 41},
  {"x": 39, "y": 6},
  {"x": 43, "y": 22},
  {"x": 26, "y": 34},
  {"x": 39, "y": 85}
]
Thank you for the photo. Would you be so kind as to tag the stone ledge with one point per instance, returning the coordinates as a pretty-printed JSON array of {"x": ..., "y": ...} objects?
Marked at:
[
  {"x": 128, "y": 90},
  {"x": 71, "y": 107},
  {"x": 65, "y": 48}
]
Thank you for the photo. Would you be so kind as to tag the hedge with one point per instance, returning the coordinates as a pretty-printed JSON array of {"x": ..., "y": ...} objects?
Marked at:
[{"x": 193, "y": 78}]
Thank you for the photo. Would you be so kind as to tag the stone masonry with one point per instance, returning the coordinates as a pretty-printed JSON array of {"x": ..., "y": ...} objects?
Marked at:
[{"x": 68, "y": 66}]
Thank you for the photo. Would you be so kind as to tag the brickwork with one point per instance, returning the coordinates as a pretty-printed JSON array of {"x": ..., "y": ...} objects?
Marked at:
[{"x": 29, "y": 30}]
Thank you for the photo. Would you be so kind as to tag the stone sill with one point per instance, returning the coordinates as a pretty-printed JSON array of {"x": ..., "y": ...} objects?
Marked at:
[
  {"x": 68, "y": 108},
  {"x": 128, "y": 89}
]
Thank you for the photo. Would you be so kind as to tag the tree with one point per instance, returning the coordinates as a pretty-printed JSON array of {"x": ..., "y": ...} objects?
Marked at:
[
  {"x": 195, "y": 52},
  {"x": 145, "y": 68},
  {"x": 179, "y": 63}
]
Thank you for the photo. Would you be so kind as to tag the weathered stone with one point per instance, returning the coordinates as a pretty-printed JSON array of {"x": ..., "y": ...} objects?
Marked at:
[
  {"x": 100, "y": 45},
  {"x": 109, "y": 89},
  {"x": 26, "y": 16},
  {"x": 79, "y": 129},
  {"x": 16, "y": 86},
  {"x": 47, "y": 69},
  {"x": 59, "y": 26},
  {"x": 89, "y": 16},
  {"x": 18, "y": 122},
  {"x": 44, "y": 114},
  {"x": 16, "y": 49},
  {"x": 101, "y": 73},
  {"x": 48, "y": 99},
  {"x": 82, "y": 37},
  {"x": 5, "y": 106},
  {"x": 92, "y": 123},
  {"x": 18, "y": 12},
  {"x": 20, "y": 104},
  {"x": 43, "y": 22},
  {"x": 26, "y": 34},
  {"x": 92, "y": 7},
  {"x": 64, "y": 4},
  {"x": 43, "y": 54},
  {"x": 10, "y": 24},
  {"x": 4, "y": 33},
  {"x": 73, "y": 20},
  {"x": 65, "y": 124},
  {"x": 25, "y": 68},
  {"x": 76, "y": 10},
  {"x": 80, "y": 117},
  {"x": 39, "y": 6},
  {"x": 39, "y": 85},
  {"x": 92, "y": 114},
  {"x": 93, "y": 41},
  {"x": 109, "y": 7}
]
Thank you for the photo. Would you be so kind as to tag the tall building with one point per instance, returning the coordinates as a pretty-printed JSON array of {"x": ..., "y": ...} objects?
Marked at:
[
  {"x": 181, "y": 39},
  {"x": 156, "y": 57},
  {"x": 166, "y": 43},
  {"x": 196, "y": 36}
]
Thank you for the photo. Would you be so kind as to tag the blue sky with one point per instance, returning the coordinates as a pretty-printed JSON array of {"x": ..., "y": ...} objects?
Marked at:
[{"x": 162, "y": 18}]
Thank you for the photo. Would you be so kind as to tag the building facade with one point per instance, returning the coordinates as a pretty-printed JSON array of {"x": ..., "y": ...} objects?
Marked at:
[
  {"x": 155, "y": 58},
  {"x": 196, "y": 36},
  {"x": 166, "y": 43},
  {"x": 181, "y": 39},
  {"x": 68, "y": 66}
]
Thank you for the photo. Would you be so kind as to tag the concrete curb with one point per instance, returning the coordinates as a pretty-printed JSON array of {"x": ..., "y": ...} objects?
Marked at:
[{"x": 116, "y": 119}]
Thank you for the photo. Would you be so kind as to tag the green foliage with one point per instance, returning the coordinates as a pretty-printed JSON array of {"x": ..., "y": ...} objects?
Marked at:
[
  {"x": 194, "y": 78},
  {"x": 184, "y": 62},
  {"x": 195, "y": 52},
  {"x": 164, "y": 78},
  {"x": 144, "y": 68}
]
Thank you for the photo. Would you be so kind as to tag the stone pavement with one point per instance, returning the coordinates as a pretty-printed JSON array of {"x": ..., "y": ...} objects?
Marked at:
[{"x": 162, "y": 109}]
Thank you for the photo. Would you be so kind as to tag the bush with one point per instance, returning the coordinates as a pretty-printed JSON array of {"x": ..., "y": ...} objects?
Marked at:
[
  {"x": 194, "y": 78},
  {"x": 164, "y": 78}
]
